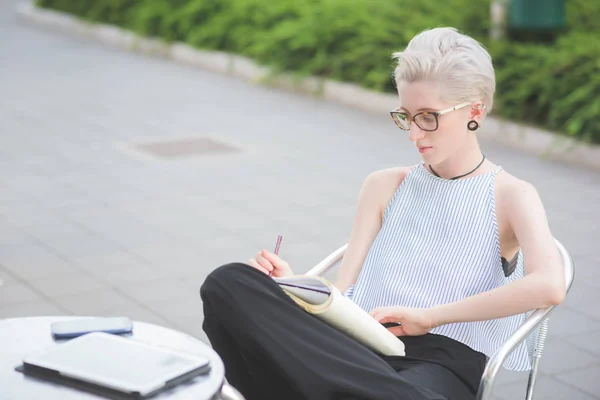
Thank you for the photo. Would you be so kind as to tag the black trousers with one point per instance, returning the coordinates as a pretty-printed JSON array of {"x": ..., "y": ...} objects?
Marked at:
[{"x": 272, "y": 349}]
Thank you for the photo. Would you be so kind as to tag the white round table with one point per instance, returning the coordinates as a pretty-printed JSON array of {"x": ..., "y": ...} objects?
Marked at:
[{"x": 22, "y": 336}]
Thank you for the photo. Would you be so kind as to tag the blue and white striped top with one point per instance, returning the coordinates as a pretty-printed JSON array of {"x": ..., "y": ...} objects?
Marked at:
[{"x": 439, "y": 243}]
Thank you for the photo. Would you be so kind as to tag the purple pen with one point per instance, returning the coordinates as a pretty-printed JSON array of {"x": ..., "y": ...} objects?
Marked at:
[{"x": 276, "y": 251}]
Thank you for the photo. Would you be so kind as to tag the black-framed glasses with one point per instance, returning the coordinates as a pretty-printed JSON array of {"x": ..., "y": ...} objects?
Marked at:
[{"x": 426, "y": 120}]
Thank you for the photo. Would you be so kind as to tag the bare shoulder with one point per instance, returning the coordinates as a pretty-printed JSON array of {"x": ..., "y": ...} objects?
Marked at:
[
  {"x": 389, "y": 176},
  {"x": 516, "y": 196},
  {"x": 382, "y": 184}
]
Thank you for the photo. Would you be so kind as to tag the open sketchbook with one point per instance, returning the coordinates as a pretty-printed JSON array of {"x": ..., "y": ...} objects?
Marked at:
[{"x": 319, "y": 297}]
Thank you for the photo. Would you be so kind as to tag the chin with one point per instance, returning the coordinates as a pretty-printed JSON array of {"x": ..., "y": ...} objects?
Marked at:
[{"x": 429, "y": 157}]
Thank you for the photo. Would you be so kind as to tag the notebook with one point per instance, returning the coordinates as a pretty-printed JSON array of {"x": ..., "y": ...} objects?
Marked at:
[
  {"x": 319, "y": 297},
  {"x": 100, "y": 361}
]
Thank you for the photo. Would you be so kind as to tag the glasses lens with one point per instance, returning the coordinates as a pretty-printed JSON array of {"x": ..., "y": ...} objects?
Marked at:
[
  {"x": 426, "y": 121},
  {"x": 401, "y": 120}
]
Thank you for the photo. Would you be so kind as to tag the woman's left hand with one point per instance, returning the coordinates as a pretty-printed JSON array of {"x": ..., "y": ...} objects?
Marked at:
[{"x": 414, "y": 321}]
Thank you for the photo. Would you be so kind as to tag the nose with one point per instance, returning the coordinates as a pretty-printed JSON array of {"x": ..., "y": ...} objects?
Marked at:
[{"x": 415, "y": 133}]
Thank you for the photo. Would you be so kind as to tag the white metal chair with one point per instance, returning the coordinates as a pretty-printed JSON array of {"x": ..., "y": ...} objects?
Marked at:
[{"x": 534, "y": 328}]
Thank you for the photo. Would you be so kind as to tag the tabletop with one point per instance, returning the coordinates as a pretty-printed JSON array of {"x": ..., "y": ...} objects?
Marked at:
[{"x": 20, "y": 337}]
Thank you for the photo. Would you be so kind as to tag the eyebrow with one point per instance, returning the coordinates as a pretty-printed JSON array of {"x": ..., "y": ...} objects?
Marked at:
[{"x": 419, "y": 110}]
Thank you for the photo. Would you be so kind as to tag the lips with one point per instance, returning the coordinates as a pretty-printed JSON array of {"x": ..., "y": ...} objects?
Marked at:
[{"x": 424, "y": 149}]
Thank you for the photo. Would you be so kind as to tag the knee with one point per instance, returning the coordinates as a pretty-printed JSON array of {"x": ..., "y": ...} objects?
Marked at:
[{"x": 224, "y": 276}]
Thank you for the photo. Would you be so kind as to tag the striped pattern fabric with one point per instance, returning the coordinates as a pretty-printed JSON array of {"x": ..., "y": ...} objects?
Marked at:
[{"x": 438, "y": 244}]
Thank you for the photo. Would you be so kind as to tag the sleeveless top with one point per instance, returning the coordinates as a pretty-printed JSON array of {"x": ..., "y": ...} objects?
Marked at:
[{"x": 439, "y": 243}]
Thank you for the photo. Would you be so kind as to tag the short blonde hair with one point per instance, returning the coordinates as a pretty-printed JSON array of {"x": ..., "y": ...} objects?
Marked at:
[{"x": 456, "y": 60}]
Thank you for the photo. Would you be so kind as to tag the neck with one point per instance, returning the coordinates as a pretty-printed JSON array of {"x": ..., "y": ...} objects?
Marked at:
[{"x": 460, "y": 163}]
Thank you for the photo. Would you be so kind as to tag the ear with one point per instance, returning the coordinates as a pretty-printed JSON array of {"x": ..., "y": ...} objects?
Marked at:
[{"x": 477, "y": 111}]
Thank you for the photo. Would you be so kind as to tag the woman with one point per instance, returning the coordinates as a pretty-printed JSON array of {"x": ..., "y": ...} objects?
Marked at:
[{"x": 438, "y": 248}]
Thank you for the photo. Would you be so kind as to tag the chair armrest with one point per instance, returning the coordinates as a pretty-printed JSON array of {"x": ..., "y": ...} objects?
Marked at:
[
  {"x": 496, "y": 361},
  {"x": 528, "y": 326},
  {"x": 328, "y": 262}
]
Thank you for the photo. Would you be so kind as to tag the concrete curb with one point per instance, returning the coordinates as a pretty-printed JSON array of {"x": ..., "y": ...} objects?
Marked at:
[{"x": 530, "y": 139}]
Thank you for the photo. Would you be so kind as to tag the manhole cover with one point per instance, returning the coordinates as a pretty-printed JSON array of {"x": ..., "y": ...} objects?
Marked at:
[{"x": 180, "y": 148}]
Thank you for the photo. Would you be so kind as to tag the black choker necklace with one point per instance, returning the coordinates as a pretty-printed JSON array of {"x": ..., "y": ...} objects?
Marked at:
[{"x": 463, "y": 175}]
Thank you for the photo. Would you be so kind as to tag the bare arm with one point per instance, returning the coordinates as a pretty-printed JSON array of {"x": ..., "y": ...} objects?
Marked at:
[
  {"x": 544, "y": 282},
  {"x": 376, "y": 192}
]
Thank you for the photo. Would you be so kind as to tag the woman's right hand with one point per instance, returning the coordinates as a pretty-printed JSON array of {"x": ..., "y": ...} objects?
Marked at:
[{"x": 268, "y": 262}]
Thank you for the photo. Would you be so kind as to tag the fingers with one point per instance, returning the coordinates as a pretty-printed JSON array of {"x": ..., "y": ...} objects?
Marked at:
[
  {"x": 274, "y": 260},
  {"x": 264, "y": 262},
  {"x": 387, "y": 314},
  {"x": 375, "y": 311},
  {"x": 270, "y": 264},
  {"x": 384, "y": 319},
  {"x": 382, "y": 315},
  {"x": 253, "y": 263},
  {"x": 397, "y": 331}
]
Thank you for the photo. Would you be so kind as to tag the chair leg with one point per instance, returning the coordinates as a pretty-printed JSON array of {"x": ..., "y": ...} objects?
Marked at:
[
  {"x": 228, "y": 392},
  {"x": 532, "y": 378}
]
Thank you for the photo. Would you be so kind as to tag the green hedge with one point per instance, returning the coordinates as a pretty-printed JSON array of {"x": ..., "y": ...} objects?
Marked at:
[{"x": 554, "y": 86}]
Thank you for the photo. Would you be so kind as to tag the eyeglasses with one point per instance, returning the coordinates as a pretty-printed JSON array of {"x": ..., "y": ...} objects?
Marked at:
[{"x": 426, "y": 120}]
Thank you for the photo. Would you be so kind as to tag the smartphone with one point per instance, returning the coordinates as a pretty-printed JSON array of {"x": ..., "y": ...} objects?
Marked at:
[{"x": 81, "y": 326}]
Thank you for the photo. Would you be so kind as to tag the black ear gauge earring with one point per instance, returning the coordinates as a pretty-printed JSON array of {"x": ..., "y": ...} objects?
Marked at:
[{"x": 472, "y": 125}]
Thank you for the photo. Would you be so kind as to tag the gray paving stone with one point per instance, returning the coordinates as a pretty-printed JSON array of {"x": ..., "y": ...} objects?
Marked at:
[
  {"x": 30, "y": 185},
  {"x": 155, "y": 295},
  {"x": 40, "y": 267},
  {"x": 113, "y": 260},
  {"x": 11, "y": 235},
  {"x": 95, "y": 302},
  {"x": 169, "y": 256},
  {"x": 124, "y": 278},
  {"x": 78, "y": 245},
  {"x": 99, "y": 219},
  {"x": 6, "y": 277},
  {"x": 135, "y": 235},
  {"x": 18, "y": 293},
  {"x": 187, "y": 309},
  {"x": 546, "y": 388},
  {"x": 559, "y": 357},
  {"x": 30, "y": 309},
  {"x": 23, "y": 250},
  {"x": 28, "y": 215},
  {"x": 587, "y": 341},
  {"x": 565, "y": 322},
  {"x": 590, "y": 277},
  {"x": 77, "y": 282},
  {"x": 199, "y": 234},
  {"x": 53, "y": 227},
  {"x": 584, "y": 299},
  {"x": 585, "y": 379}
]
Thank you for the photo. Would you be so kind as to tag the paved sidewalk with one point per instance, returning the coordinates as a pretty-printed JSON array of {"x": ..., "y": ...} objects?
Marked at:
[{"x": 90, "y": 226}]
